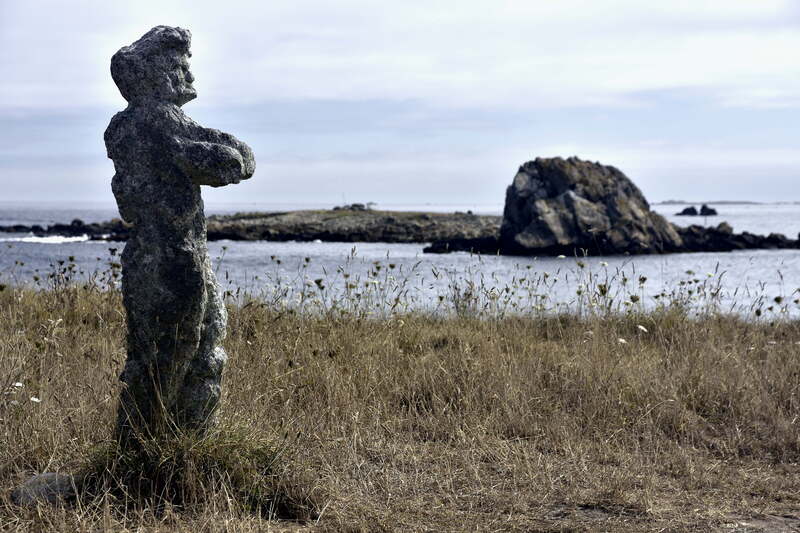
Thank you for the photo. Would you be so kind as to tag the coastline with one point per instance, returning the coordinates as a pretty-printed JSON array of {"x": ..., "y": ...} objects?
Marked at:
[
  {"x": 327, "y": 225},
  {"x": 441, "y": 232}
]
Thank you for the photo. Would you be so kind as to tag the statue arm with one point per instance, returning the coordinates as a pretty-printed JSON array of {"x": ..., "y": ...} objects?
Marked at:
[{"x": 216, "y": 160}]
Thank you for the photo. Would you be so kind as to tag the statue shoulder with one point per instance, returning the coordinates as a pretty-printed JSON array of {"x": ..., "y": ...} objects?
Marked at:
[{"x": 119, "y": 127}]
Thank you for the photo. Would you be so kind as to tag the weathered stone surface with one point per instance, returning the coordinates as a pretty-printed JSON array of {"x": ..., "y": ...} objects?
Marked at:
[
  {"x": 569, "y": 205},
  {"x": 176, "y": 319},
  {"x": 50, "y": 488}
]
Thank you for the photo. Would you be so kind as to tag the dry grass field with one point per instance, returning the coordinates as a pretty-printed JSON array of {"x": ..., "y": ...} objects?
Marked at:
[{"x": 624, "y": 422}]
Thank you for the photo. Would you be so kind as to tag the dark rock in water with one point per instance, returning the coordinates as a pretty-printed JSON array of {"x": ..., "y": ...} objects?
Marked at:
[
  {"x": 706, "y": 211},
  {"x": 722, "y": 239},
  {"x": 691, "y": 211},
  {"x": 50, "y": 488},
  {"x": 724, "y": 227},
  {"x": 570, "y": 206},
  {"x": 351, "y": 207},
  {"x": 479, "y": 245},
  {"x": 112, "y": 230}
]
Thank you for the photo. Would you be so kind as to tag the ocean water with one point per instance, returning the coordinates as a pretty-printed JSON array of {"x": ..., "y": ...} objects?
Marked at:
[{"x": 380, "y": 277}]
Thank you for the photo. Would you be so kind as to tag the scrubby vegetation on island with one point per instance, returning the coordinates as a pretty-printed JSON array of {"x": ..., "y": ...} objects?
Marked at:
[{"x": 367, "y": 416}]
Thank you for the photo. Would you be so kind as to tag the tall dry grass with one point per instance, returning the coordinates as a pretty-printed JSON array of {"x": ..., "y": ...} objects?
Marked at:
[{"x": 413, "y": 422}]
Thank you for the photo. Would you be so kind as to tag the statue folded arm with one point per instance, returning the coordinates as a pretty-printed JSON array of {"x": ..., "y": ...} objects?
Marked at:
[{"x": 218, "y": 162}]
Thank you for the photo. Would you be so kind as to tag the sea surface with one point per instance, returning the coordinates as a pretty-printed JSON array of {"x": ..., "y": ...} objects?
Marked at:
[{"x": 381, "y": 277}]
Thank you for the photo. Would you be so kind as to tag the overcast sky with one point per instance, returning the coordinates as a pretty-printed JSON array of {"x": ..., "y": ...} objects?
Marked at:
[{"x": 422, "y": 101}]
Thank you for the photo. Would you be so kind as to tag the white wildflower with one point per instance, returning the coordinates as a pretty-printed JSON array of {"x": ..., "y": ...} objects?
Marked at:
[{"x": 34, "y": 399}]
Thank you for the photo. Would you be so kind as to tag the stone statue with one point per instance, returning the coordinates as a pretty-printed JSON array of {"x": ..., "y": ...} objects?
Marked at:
[{"x": 176, "y": 318}]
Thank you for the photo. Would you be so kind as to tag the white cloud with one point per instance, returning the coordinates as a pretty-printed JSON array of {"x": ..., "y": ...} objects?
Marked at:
[{"x": 464, "y": 53}]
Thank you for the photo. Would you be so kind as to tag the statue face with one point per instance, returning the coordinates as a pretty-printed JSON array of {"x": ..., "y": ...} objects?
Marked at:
[
  {"x": 181, "y": 80},
  {"x": 156, "y": 67}
]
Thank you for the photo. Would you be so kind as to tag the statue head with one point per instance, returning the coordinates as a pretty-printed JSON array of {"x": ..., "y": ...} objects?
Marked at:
[{"x": 156, "y": 67}]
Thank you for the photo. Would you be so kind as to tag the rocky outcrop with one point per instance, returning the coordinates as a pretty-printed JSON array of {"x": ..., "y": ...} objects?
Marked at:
[
  {"x": 176, "y": 318},
  {"x": 557, "y": 205},
  {"x": 722, "y": 239},
  {"x": 690, "y": 211},
  {"x": 574, "y": 207},
  {"x": 352, "y": 225}
]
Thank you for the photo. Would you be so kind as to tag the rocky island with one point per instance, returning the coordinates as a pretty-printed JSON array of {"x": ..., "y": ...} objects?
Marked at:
[
  {"x": 342, "y": 224},
  {"x": 569, "y": 206}
]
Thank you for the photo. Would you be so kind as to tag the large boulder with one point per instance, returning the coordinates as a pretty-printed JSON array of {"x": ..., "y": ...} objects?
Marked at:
[{"x": 569, "y": 206}]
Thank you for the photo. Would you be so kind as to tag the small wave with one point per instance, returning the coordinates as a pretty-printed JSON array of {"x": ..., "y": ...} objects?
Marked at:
[{"x": 50, "y": 239}]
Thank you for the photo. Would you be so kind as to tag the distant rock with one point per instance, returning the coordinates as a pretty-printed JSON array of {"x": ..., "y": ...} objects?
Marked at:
[
  {"x": 691, "y": 211},
  {"x": 557, "y": 205},
  {"x": 706, "y": 211},
  {"x": 112, "y": 230},
  {"x": 351, "y": 207}
]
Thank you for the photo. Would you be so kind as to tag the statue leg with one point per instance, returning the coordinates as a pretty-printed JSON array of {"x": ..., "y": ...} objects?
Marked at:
[
  {"x": 200, "y": 394},
  {"x": 163, "y": 296}
]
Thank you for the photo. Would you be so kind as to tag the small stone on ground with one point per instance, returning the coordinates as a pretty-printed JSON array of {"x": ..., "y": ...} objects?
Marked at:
[{"x": 49, "y": 487}]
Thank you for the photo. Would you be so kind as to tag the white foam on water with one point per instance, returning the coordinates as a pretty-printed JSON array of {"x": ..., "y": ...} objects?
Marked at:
[{"x": 50, "y": 239}]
